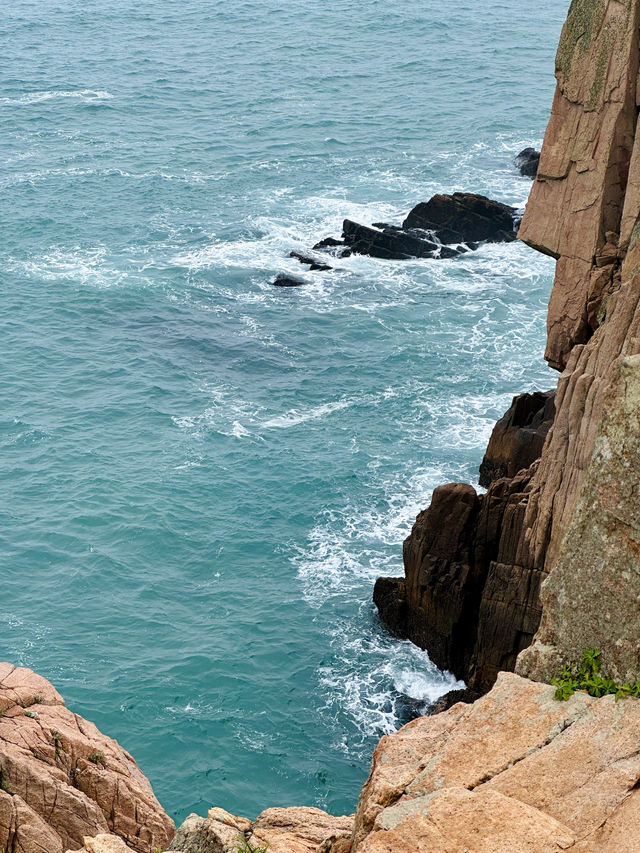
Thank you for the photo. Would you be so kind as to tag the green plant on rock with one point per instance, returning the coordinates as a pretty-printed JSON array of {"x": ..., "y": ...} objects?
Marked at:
[
  {"x": 245, "y": 846},
  {"x": 587, "y": 677},
  {"x": 97, "y": 758}
]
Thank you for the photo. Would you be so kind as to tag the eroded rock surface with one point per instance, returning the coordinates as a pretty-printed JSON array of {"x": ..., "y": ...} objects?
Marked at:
[
  {"x": 62, "y": 780},
  {"x": 515, "y": 771},
  {"x": 584, "y": 203},
  {"x": 298, "y": 829}
]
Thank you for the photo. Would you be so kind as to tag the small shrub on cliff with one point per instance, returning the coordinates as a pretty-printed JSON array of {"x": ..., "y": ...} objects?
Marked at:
[
  {"x": 97, "y": 758},
  {"x": 245, "y": 846},
  {"x": 587, "y": 677}
]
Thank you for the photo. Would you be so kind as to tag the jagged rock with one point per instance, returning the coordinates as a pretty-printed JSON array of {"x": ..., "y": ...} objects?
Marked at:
[
  {"x": 526, "y": 162},
  {"x": 515, "y": 771},
  {"x": 62, "y": 779},
  {"x": 298, "y": 829},
  {"x": 390, "y": 244},
  {"x": 590, "y": 599},
  {"x": 308, "y": 259},
  {"x": 284, "y": 280},
  {"x": 518, "y": 437},
  {"x": 464, "y": 598},
  {"x": 588, "y": 179},
  {"x": 219, "y": 832},
  {"x": 461, "y": 217}
]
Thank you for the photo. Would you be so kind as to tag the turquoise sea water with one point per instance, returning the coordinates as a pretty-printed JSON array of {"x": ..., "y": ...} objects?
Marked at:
[{"x": 202, "y": 475}]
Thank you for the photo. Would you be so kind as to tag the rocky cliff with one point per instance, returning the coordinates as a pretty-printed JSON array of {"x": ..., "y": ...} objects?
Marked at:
[{"x": 480, "y": 585}]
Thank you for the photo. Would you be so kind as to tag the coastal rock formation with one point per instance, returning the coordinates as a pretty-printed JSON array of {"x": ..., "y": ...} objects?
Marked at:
[
  {"x": 516, "y": 771},
  {"x": 103, "y": 844},
  {"x": 464, "y": 598},
  {"x": 600, "y": 556},
  {"x": 481, "y": 586},
  {"x": 62, "y": 780},
  {"x": 579, "y": 210},
  {"x": 443, "y": 227},
  {"x": 518, "y": 437},
  {"x": 298, "y": 829},
  {"x": 527, "y": 161}
]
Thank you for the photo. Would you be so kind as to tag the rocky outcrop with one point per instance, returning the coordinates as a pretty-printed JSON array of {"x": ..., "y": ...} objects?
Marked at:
[
  {"x": 299, "y": 829},
  {"x": 464, "y": 217},
  {"x": 515, "y": 771},
  {"x": 62, "y": 780},
  {"x": 518, "y": 437},
  {"x": 579, "y": 210},
  {"x": 464, "y": 598},
  {"x": 443, "y": 227},
  {"x": 481, "y": 585},
  {"x": 527, "y": 161},
  {"x": 103, "y": 844}
]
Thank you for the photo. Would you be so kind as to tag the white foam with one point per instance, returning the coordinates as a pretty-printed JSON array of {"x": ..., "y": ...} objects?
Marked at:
[{"x": 87, "y": 95}]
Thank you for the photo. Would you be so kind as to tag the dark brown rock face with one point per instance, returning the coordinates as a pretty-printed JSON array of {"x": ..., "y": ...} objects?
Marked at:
[
  {"x": 518, "y": 437},
  {"x": 461, "y": 217},
  {"x": 464, "y": 597}
]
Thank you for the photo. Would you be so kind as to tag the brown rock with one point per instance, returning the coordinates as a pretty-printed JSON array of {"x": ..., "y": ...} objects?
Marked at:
[
  {"x": 579, "y": 193},
  {"x": 517, "y": 771},
  {"x": 103, "y": 844},
  {"x": 298, "y": 829},
  {"x": 518, "y": 437},
  {"x": 63, "y": 779}
]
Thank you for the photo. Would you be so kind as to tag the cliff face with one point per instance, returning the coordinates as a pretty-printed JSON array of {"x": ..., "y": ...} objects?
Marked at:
[
  {"x": 61, "y": 779},
  {"x": 481, "y": 585}
]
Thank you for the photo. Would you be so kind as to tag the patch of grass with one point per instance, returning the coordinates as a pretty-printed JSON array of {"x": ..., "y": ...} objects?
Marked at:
[
  {"x": 98, "y": 758},
  {"x": 587, "y": 677},
  {"x": 30, "y": 714},
  {"x": 57, "y": 742},
  {"x": 4, "y": 784},
  {"x": 245, "y": 846},
  {"x": 38, "y": 700}
]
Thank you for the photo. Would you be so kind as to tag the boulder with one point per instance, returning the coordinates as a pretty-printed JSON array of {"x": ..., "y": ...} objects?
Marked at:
[
  {"x": 390, "y": 244},
  {"x": 62, "y": 780},
  {"x": 516, "y": 771},
  {"x": 518, "y": 437},
  {"x": 104, "y": 843},
  {"x": 284, "y": 280},
  {"x": 314, "y": 264},
  {"x": 462, "y": 217},
  {"x": 526, "y": 162},
  {"x": 298, "y": 829}
]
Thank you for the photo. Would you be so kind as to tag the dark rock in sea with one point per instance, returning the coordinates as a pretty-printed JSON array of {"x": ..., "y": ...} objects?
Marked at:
[
  {"x": 466, "y": 695},
  {"x": 464, "y": 217},
  {"x": 518, "y": 437},
  {"x": 284, "y": 280},
  {"x": 407, "y": 708},
  {"x": 389, "y": 597},
  {"x": 393, "y": 243},
  {"x": 527, "y": 162},
  {"x": 307, "y": 259},
  {"x": 336, "y": 248}
]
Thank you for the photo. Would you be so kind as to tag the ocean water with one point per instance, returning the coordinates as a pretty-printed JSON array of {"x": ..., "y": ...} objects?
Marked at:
[{"x": 201, "y": 474}]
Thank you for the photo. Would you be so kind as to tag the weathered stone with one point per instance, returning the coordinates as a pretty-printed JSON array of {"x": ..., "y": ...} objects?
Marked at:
[
  {"x": 103, "y": 844},
  {"x": 390, "y": 244},
  {"x": 62, "y": 780},
  {"x": 518, "y": 437},
  {"x": 579, "y": 192},
  {"x": 461, "y": 217},
  {"x": 526, "y": 162},
  {"x": 516, "y": 771},
  {"x": 314, "y": 264},
  {"x": 298, "y": 829}
]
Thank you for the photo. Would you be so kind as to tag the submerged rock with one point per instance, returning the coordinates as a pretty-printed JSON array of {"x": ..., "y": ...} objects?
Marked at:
[
  {"x": 527, "y": 162},
  {"x": 308, "y": 259},
  {"x": 62, "y": 780},
  {"x": 285, "y": 280}
]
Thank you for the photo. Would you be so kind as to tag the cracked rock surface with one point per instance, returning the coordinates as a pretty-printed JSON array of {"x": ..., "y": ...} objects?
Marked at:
[
  {"x": 62, "y": 780},
  {"x": 516, "y": 771}
]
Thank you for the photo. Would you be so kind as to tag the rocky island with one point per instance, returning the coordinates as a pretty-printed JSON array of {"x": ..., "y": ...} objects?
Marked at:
[{"x": 504, "y": 588}]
